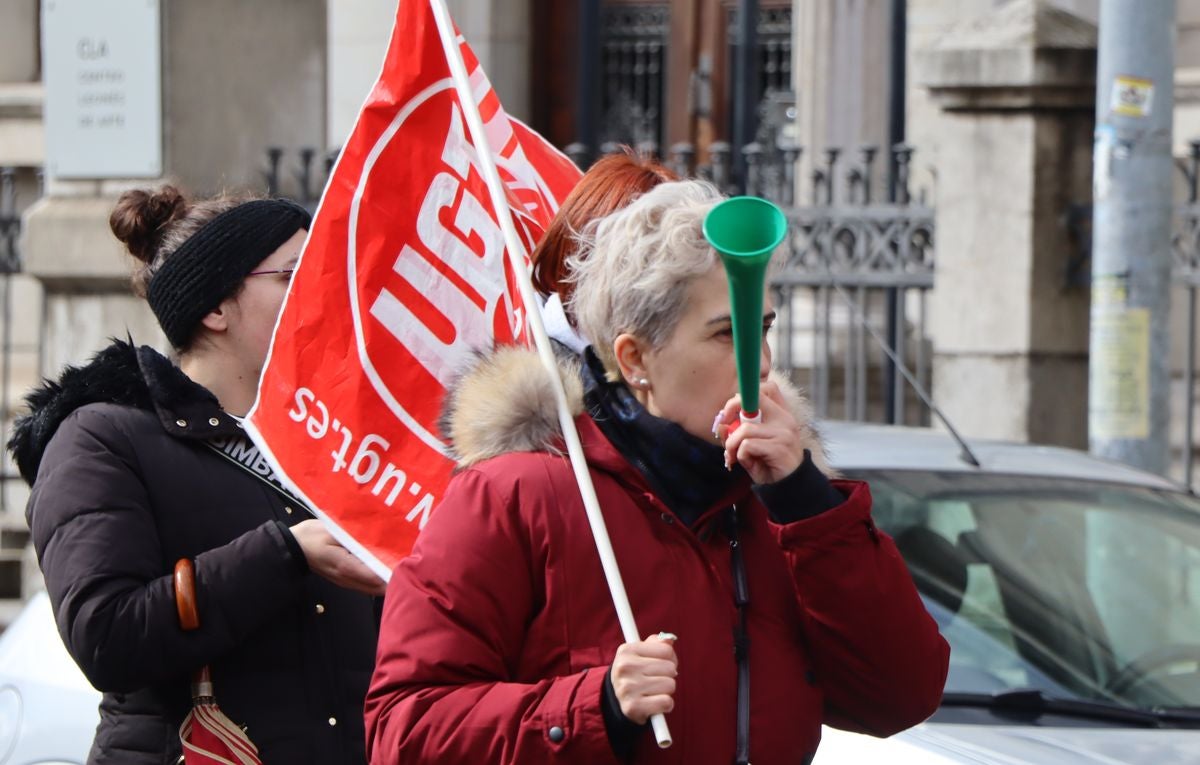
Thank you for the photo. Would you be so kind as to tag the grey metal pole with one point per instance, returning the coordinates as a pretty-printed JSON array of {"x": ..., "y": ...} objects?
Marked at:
[{"x": 1129, "y": 364}]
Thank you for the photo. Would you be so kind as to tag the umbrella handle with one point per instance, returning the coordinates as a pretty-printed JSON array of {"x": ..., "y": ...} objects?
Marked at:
[
  {"x": 189, "y": 619},
  {"x": 185, "y": 595}
]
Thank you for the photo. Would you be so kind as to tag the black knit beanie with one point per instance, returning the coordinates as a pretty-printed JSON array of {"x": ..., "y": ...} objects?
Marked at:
[{"x": 210, "y": 264}]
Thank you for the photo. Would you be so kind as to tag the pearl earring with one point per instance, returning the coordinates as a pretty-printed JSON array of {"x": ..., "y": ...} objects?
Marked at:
[{"x": 641, "y": 382}]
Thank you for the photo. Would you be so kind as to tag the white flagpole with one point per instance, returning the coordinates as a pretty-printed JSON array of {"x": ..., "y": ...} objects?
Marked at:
[{"x": 612, "y": 573}]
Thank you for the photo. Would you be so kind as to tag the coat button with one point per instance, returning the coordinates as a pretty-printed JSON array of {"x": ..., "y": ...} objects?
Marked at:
[
  {"x": 214, "y": 421},
  {"x": 332, "y": 721},
  {"x": 181, "y": 423},
  {"x": 320, "y": 608},
  {"x": 287, "y": 509},
  {"x": 557, "y": 734},
  {"x": 668, "y": 518}
]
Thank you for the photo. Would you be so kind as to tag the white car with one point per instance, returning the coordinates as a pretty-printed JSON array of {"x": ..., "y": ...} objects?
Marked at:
[
  {"x": 48, "y": 711},
  {"x": 1067, "y": 586}
]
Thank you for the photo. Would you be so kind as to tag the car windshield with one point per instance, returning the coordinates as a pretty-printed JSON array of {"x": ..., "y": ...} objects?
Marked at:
[{"x": 1079, "y": 589}]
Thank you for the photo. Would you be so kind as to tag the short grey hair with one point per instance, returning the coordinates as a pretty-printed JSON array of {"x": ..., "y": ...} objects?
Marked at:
[{"x": 632, "y": 268}]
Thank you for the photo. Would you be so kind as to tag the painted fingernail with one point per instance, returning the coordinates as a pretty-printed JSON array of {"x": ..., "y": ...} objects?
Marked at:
[
  {"x": 718, "y": 421},
  {"x": 669, "y": 637}
]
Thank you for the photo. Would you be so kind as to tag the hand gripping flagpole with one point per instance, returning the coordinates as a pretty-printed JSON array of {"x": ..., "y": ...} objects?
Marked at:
[
  {"x": 608, "y": 561},
  {"x": 745, "y": 231}
]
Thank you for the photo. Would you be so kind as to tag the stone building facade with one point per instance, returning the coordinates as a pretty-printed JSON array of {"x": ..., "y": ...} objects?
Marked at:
[{"x": 239, "y": 77}]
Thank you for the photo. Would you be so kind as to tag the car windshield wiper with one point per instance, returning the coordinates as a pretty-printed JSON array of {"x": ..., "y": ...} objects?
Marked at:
[{"x": 1031, "y": 703}]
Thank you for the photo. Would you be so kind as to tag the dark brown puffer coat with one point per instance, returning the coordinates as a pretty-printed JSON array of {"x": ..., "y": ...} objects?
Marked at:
[{"x": 124, "y": 484}]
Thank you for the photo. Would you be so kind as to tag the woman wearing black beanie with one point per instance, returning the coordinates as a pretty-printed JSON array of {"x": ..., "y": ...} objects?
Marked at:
[{"x": 136, "y": 462}]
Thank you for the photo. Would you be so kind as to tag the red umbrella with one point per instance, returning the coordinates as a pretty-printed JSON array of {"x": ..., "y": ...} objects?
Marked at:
[{"x": 207, "y": 735}]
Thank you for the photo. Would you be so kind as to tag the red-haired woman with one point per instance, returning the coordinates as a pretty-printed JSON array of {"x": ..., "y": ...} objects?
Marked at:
[
  {"x": 610, "y": 184},
  {"x": 498, "y": 641}
]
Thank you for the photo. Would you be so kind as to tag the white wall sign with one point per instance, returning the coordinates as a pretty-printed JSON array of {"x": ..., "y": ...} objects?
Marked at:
[{"x": 102, "y": 74}]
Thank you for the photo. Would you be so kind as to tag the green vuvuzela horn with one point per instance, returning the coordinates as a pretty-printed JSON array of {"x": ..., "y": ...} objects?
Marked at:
[{"x": 745, "y": 231}]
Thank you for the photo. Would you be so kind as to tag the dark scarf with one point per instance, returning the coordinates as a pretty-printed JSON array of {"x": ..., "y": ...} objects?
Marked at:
[{"x": 687, "y": 473}]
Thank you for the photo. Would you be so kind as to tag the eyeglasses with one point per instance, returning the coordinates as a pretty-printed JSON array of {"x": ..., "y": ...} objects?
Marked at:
[{"x": 285, "y": 271}]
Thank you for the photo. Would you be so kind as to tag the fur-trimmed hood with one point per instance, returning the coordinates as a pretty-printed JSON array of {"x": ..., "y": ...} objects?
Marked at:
[
  {"x": 505, "y": 403},
  {"x": 122, "y": 374}
]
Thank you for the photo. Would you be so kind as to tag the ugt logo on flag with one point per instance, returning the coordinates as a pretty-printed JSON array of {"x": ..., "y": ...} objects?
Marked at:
[{"x": 402, "y": 278}]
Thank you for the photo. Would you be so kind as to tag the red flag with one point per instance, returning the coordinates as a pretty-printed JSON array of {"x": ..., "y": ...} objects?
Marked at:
[{"x": 403, "y": 277}]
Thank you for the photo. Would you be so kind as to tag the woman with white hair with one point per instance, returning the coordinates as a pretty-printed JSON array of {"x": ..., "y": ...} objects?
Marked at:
[{"x": 780, "y": 605}]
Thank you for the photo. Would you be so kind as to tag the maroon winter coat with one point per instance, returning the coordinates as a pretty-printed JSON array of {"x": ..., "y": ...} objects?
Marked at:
[{"x": 499, "y": 629}]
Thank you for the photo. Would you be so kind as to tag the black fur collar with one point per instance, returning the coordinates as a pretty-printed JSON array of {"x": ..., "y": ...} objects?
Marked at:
[{"x": 120, "y": 374}]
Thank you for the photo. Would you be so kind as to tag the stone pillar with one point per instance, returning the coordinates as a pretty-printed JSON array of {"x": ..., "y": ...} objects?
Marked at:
[
  {"x": 236, "y": 77},
  {"x": 930, "y": 21},
  {"x": 21, "y": 153},
  {"x": 18, "y": 41},
  {"x": 1009, "y": 325},
  {"x": 501, "y": 34},
  {"x": 359, "y": 31},
  {"x": 840, "y": 74}
]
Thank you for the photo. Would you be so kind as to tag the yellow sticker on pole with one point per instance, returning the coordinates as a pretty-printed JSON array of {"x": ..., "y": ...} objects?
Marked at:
[
  {"x": 1131, "y": 96},
  {"x": 1119, "y": 368}
]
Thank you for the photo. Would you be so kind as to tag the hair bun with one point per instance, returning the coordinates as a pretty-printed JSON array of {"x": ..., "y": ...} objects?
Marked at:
[{"x": 140, "y": 214}]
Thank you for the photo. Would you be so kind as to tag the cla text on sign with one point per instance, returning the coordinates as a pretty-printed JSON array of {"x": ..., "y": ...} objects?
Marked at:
[{"x": 102, "y": 74}]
